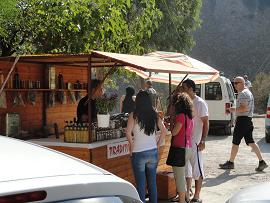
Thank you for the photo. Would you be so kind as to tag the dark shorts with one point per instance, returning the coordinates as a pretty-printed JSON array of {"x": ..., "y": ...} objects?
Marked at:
[{"x": 243, "y": 129}]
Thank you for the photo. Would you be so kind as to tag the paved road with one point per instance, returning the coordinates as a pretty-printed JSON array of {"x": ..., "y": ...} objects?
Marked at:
[{"x": 220, "y": 184}]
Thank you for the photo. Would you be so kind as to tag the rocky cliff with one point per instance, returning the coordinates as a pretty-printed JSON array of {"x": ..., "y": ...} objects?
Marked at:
[{"x": 234, "y": 36}]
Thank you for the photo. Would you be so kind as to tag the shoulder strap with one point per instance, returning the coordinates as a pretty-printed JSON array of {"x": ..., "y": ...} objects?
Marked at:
[{"x": 185, "y": 132}]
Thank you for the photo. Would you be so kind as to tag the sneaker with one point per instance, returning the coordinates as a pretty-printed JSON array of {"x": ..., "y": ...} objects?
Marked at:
[
  {"x": 262, "y": 166},
  {"x": 227, "y": 165}
]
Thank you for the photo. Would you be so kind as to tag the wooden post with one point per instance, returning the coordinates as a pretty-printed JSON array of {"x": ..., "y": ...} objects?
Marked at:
[
  {"x": 89, "y": 75},
  {"x": 170, "y": 82},
  {"x": 9, "y": 74}
]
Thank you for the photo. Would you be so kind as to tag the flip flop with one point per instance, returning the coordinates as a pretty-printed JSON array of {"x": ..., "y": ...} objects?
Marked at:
[
  {"x": 191, "y": 192},
  {"x": 194, "y": 200},
  {"x": 175, "y": 199}
]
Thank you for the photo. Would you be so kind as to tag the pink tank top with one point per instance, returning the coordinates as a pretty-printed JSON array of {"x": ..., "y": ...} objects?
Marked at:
[{"x": 179, "y": 139}]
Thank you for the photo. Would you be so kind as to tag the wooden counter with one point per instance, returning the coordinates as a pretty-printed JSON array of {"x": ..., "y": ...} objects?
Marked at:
[{"x": 111, "y": 155}]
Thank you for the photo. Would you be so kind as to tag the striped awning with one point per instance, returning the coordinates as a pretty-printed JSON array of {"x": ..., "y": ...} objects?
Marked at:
[{"x": 207, "y": 72}]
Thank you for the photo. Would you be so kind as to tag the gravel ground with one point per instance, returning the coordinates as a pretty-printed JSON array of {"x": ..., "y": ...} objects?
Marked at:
[{"x": 220, "y": 184}]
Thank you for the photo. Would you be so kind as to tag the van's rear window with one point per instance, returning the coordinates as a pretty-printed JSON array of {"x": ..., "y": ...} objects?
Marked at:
[{"x": 213, "y": 91}]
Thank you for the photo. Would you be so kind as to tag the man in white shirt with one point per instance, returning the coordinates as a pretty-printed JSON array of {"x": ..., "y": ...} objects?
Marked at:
[{"x": 194, "y": 167}]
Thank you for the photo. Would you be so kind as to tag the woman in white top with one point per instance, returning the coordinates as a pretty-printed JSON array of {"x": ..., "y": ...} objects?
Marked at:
[{"x": 144, "y": 143}]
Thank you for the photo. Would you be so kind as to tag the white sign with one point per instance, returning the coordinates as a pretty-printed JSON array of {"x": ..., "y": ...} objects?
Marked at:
[{"x": 117, "y": 149}]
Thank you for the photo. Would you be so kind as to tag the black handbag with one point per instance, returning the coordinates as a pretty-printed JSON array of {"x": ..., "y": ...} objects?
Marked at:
[{"x": 177, "y": 155}]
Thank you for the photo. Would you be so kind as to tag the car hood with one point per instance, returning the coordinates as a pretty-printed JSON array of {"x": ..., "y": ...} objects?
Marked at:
[
  {"x": 253, "y": 194},
  {"x": 23, "y": 160}
]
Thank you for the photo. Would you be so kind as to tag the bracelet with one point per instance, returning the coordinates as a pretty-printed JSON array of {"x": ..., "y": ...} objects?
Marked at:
[{"x": 202, "y": 141}]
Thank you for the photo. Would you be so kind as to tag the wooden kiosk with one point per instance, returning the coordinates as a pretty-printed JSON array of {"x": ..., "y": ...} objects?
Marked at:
[{"x": 112, "y": 155}]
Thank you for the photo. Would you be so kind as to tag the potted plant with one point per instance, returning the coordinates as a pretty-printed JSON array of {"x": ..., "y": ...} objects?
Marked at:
[{"x": 105, "y": 104}]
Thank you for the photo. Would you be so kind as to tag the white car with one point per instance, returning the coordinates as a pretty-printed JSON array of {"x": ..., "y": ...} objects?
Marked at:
[
  {"x": 254, "y": 194},
  {"x": 30, "y": 172},
  {"x": 267, "y": 122}
]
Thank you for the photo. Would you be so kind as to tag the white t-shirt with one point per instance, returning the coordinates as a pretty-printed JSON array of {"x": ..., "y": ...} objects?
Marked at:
[
  {"x": 200, "y": 110},
  {"x": 143, "y": 142},
  {"x": 246, "y": 97}
]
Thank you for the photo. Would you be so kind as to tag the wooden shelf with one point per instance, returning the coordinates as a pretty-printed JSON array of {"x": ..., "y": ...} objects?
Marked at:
[{"x": 45, "y": 90}]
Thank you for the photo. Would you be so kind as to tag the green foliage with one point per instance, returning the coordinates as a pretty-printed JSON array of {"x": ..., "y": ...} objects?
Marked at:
[
  {"x": 261, "y": 91},
  {"x": 180, "y": 18},
  {"x": 13, "y": 30},
  {"x": 106, "y": 103},
  {"x": 74, "y": 26}
]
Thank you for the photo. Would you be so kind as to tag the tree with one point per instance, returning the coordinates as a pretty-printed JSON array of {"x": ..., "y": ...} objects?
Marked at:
[
  {"x": 260, "y": 90},
  {"x": 73, "y": 26},
  {"x": 180, "y": 19},
  {"x": 12, "y": 28}
]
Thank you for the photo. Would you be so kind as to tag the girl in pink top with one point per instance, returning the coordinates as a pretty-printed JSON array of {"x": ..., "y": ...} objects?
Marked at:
[
  {"x": 179, "y": 138},
  {"x": 181, "y": 133}
]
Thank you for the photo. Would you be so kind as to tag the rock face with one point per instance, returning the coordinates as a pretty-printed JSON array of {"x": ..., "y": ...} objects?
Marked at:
[{"x": 234, "y": 36}]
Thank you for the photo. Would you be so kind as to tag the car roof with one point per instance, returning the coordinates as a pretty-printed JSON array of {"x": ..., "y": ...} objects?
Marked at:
[
  {"x": 27, "y": 167},
  {"x": 257, "y": 193},
  {"x": 23, "y": 160}
]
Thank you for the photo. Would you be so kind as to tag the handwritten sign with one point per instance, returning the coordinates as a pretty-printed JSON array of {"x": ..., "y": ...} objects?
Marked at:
[{"x": 117, "y": 149}]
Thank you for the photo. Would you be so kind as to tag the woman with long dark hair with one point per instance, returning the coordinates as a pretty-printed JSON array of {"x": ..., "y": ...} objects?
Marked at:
[
  {"x": 143, "y": 124},
  {"x": 181, "y": 133}
]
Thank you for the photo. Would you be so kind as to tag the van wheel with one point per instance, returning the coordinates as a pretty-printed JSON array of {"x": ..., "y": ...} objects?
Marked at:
[{"x": 228, "y": 130}]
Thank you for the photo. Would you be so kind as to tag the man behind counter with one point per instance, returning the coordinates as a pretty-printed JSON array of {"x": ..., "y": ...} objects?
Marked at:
[{"x": 82, "y": 108}]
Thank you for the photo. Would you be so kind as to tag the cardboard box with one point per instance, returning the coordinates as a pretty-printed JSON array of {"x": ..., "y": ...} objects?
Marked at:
[
  {"x": 50, "y": 78},
  {"x": 166, "y": 187}
]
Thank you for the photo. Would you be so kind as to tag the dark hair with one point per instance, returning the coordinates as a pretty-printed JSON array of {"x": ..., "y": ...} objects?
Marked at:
[
  {"x": 190, "y": 84},
  {"x": 95, "y": 83},
  {"x": 130, "y": 91},
  {"x": 184, "y": 105},
  {"x": 144, "y": 113},
  {"x": 128, "y": 102}
]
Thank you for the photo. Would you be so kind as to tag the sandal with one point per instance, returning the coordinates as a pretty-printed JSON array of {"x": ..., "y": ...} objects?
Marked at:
[
  {"x": 191, "y": 192},
  {"x": 196, "y": 200},
  {"x": 175, "y": 199}
]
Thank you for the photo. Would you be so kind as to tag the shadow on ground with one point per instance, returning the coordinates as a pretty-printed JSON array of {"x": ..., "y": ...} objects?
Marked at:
[
  {"x": 222, "y": 178},
  {"x": 215, "y": 138}
]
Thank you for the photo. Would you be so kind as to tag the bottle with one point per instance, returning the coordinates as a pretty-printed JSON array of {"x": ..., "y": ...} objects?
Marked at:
[
  {"x": 66, "y": 132},
  {"x": 60, "y": 81},
  {"x": 16, "y": 80},
  {"x": 79, "y": 85},
  {"x": 79, "y": 133},
  {"x": 1, "y": 77}
]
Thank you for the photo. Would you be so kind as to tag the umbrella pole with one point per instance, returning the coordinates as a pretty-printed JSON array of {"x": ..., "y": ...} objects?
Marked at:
[
  {"x": 170, "y": 81},
  {"x": 183, "y": 79}
]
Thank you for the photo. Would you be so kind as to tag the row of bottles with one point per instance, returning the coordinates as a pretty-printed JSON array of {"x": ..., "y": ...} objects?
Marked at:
[
  {"x": 76, "y": 132},
  {"x": 16, "y": 83}
]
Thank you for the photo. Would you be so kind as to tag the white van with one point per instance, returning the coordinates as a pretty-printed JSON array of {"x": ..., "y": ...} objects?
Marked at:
[{"x": 219, "y": 96}]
